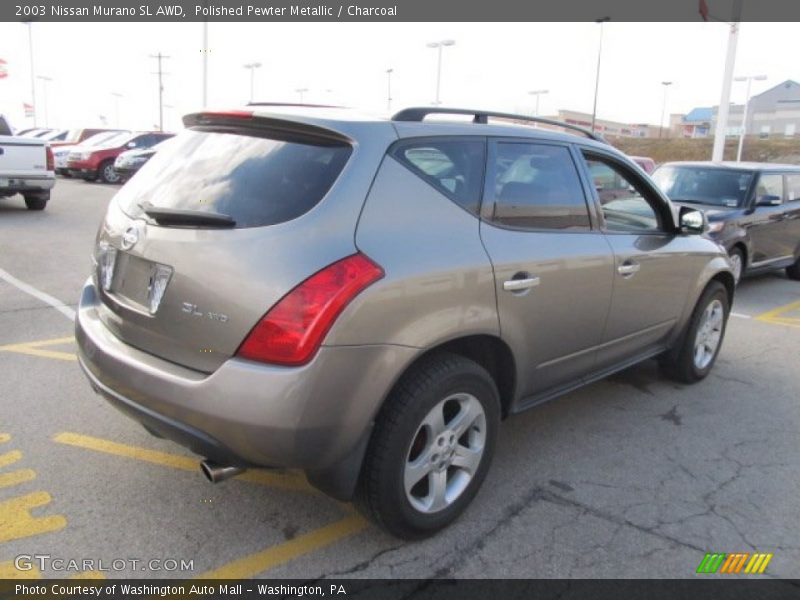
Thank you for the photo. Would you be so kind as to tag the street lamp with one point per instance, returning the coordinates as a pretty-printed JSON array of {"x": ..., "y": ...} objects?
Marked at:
[
  {"x": 45, "y": 80},
  {"x": 252, "y": 67},
  {"x": 600, "y": 22},
  {"x": 117, "y": 96},
  {"x": 33, "y": 79},
  {"x": 537, "y": 93},
  {"x": 743, "y": 129},
  {"x": 301, "y": 91},
  {"x": 439, "y": 45},
  {"x": 389, "y": 89},
  {"x": 666, "y": 85}
]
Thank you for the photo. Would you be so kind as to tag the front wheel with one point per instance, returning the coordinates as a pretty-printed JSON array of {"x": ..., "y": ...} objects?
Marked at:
[
  {"x": 108, "y": 173},
  {"x": 431, "y": 448},
  {"x": 691, "y": 360}
]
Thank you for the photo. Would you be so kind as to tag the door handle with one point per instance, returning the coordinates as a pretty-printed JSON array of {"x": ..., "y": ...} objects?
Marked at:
[
  {"x": 629, "y": 268},
  {"x": 518, "y": 285}
]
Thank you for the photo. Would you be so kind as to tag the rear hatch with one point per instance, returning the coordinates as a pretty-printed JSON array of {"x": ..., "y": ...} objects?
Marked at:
[{"x": 216, "y": 228}]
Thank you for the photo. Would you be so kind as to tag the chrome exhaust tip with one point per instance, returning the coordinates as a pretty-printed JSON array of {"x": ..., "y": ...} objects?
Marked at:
[{"x": 217, "y": 473}]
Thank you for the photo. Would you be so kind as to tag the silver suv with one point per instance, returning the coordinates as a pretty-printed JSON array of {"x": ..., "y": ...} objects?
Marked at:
[{"x": 367, "y": 299}]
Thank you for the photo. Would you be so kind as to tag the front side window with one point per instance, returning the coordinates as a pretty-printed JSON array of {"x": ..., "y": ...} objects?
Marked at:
[
  {"x": 453, "y": 167},
  {"x": 536, "y": 186},
  {"x": 625, "y": 208}
]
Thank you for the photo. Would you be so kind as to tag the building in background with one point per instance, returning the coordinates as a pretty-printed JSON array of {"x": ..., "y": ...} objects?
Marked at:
[
  {"x": 773, "y": 113},
  {"x": 611, "y": 129}
]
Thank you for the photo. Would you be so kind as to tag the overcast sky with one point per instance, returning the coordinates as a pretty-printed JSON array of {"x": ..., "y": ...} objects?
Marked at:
[{"x": 490, "y": 66}]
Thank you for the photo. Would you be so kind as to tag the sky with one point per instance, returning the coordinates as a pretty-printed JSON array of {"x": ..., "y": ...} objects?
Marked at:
[{"x": 491, "y": 66}]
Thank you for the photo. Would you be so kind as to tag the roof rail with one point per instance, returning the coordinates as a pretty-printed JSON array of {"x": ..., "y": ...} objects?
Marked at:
[{"x": 482, "y": 117}]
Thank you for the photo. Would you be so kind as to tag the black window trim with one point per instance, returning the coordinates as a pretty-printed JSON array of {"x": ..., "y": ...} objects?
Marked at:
[
  {"x": 488, "y": 201},
  {"x": 396, "y": 146},
  {"x": 663, "y": 210}
]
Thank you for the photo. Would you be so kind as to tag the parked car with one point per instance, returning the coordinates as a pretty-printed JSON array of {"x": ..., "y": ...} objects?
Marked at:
[
  {"x": 61, "y": 153},
  {"x": 35, "y": 133},
  {"x": 97, "y": 162},
  {"x": 55, "y": 136},
  {"x": 753, "y": 209},
  {"x": 5, "y": 126},
  {"x": 130, "y": 161},
  {"x": 647, "y": 163},
  {"x": 77, "y": 136},
  {"x": 26, "y": 168},
  {"x": 366, "y": 299}
]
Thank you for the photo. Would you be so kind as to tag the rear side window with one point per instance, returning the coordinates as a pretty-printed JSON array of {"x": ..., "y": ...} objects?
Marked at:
[
  {"x": 793, "y": 187},
  {"x": 453, "y": 167},
  {"x": 257, "y": 181},
  {"x": 536, "y": 186}
]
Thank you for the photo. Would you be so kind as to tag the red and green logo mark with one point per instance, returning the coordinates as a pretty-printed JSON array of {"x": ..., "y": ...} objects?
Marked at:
[{"x": 741, "y": 562}]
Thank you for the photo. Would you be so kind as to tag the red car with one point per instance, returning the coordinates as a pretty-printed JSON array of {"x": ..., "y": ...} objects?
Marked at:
[{"x": 98, "y": 162}]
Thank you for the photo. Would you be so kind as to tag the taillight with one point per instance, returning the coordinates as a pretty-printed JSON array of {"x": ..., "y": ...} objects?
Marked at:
[
  {"x": 292, "y": 331},
  {"x": 51, "y": 162}
]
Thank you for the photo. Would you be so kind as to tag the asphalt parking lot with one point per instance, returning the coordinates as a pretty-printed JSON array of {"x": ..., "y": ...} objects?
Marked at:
[{"x": 634, "y": 476}]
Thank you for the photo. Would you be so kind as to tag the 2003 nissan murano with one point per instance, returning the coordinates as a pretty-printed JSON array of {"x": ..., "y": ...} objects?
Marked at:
[{"x": 365, "y": 299}]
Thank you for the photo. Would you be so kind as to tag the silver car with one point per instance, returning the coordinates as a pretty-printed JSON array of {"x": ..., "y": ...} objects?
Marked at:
[{"x": 366, "y": 299}]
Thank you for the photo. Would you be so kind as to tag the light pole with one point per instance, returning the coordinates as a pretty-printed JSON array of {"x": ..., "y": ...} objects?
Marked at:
[
  {"x": 666, "y": 85},
  {"x": 743, "y": 130},
  {"x": 439, "y": 45},
  {"x": 252, "y": 68},
  {"x": 33, "y": 78},
  {"x": 600, "y": 22},
  {"x": 302, "y": 92},
  {"x": 117, "y": 96},
  {"x": 537, "y": 93},
  {"x": 389, "y": 89},
  {"x": 45, "y": 80}
]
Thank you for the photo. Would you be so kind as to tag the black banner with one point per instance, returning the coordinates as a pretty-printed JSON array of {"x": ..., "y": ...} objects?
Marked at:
[
  {"x": 398, "y": 10},
  {"x": 735, "y": 588}
]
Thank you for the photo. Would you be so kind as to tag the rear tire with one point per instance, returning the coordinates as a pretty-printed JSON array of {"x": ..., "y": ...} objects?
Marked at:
[
  {"x": 36, "y": 202},
  {"x": 698, "y": 347},
  {"x": 431, "y": 448},
  {"x": 793, "y": 271}
]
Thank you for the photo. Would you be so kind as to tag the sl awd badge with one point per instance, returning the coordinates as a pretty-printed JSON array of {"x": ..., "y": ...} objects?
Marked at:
[{"x": 194, "y": 310}]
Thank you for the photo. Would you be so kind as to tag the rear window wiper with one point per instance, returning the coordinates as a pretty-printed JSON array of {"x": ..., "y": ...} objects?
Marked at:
[{"x": 177, "y": 216}]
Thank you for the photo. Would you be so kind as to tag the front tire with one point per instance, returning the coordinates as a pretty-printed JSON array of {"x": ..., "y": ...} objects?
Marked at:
[
  {"x": 107, "y": 173},
  {"x": 694, "y": 356},
  {"x": 737, "y": 263},
  {"x": 431, "y": 448},
  {"x": 793, "y": 271}
]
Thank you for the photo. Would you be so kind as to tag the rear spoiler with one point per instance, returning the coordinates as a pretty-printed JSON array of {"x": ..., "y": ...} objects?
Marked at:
[{"x": 276, "y": 127}]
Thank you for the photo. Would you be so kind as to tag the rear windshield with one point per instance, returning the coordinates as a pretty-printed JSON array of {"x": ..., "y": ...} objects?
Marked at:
[
  {"x": 256, "y": 181},
  {"x": 701, "y": 185}
]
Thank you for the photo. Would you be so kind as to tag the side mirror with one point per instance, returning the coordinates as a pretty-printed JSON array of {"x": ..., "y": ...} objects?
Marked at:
[
  {"x": 692, "y": 220},
  {"x": 768, "y": 200}
]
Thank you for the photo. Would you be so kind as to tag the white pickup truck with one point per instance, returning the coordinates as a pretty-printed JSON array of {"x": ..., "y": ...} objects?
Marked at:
[{"x": 26, "y": 167}]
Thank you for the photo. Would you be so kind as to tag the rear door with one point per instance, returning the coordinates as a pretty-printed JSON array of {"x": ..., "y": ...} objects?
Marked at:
[
  {"x": 553, "y": 268},
  {"x": 792, "y": 213},
  {"x": 653, "y": 267}
]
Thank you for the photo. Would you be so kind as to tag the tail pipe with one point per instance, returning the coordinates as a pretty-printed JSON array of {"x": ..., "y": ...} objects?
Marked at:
[{"x": 217, "y": 473}]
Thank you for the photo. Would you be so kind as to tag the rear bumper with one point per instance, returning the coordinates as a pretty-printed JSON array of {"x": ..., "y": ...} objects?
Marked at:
[
  {"x": 245, "y": 413},
  {"x": 23, "y": 185}
]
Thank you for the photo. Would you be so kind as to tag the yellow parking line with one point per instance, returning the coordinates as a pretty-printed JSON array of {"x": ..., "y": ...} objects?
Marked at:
[
  {"x": 4, "y": 437},
  {"x": 16, "y": 520},
  {"x": 16, "y": 477},
  {"x": 34, "y": 348},
  {"x": 9, "y": 571},
  {"x": 9, "y": 458},
  {"x": 777, "y": 315},
  {"x": 249, "y": 566},
  {"x": 289, "y": 480}
]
